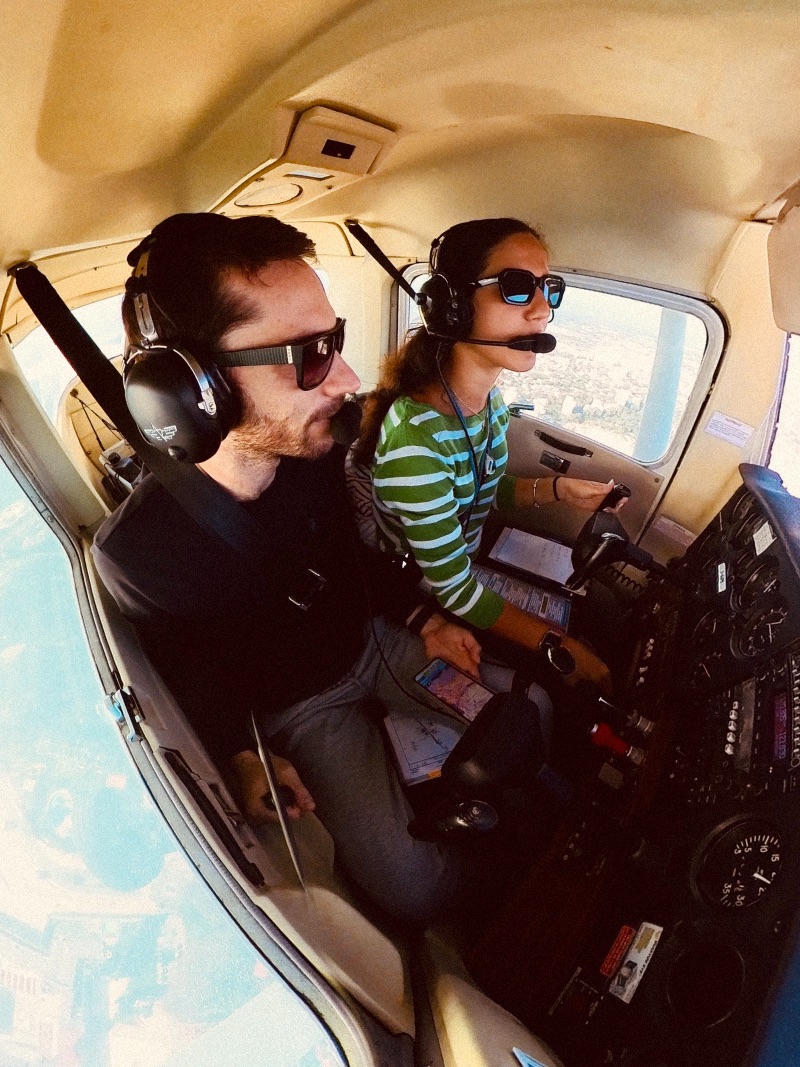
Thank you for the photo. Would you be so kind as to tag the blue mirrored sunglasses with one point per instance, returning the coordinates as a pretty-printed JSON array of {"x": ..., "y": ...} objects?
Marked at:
[{"x": 519, "y": 286}]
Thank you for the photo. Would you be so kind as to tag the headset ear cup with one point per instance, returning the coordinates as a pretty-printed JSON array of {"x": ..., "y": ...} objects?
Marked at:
[
  {"x": 446, "y": 312},
  {"x": 228, "y": 407},
  {"x": 165, "y": 398}
]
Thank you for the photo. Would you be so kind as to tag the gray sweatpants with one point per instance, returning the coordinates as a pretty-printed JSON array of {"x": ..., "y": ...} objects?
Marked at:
[{"x": 339, "y": 753}]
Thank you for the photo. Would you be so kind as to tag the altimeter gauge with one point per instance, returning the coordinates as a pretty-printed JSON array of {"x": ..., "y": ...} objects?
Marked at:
[{"x": 740, "y": 865}]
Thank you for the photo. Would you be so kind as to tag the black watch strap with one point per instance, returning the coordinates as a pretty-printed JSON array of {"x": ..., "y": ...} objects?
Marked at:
[{"x": 423, "y": 614}]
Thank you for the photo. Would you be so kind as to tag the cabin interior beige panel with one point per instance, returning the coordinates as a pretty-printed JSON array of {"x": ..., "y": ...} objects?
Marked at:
[
  {"x": 744, "y": 389},
  {"x": 784, "y": 255},
  {"x": 570, "y": 177},
  {"x": 473, "y": 1031},
  {"x": 80, "y": 276},
  {"x": 117, "y": 121}
]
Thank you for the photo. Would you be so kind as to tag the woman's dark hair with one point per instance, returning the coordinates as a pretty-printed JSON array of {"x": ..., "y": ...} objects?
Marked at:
[
  {"x": 460, "y": 254},
  {"x": 192, "y": 254}
]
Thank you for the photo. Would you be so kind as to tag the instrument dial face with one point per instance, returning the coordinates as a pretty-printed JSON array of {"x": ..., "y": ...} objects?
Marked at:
[
  {"x": 705, "y": 668},
  {"x": 743, "y": 534},
  {"x": 757, "y": 583},
  {"x": 740, "y": 866},
  {"x": 744, "y": 505},
  {"x": 757, "y": 634},
  {"x": 707, "y": 547},
  {"x": 706, "y": 628}
]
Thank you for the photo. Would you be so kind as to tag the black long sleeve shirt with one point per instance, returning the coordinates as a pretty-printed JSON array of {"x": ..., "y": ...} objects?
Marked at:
[{"x": 224, "y": 639}]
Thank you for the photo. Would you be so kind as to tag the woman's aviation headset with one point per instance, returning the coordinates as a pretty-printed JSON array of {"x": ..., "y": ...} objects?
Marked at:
[
  {"x": 181, "y": 403},
  {"x": 446, "y": 310}
]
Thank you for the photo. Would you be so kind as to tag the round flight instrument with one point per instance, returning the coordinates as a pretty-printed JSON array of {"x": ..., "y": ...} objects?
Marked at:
[
  {"x": 705, "y": 668},
  {"x": 758, "y": 582},
  {"x": 743, "y": 507},
  {"x": 740, "y": 865},
  {"x": 743, "y": 533},
  {"x": 756, "y": 634},
  {"x": 706, "y": 628},
  {"x": 707, "y": 547}
]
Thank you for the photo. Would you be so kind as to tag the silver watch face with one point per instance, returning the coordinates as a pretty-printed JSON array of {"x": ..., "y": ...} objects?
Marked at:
[{"x": 560, "y": 658}]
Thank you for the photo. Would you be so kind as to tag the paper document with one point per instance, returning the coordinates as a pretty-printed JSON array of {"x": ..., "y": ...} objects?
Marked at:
[
  {"x": 420, "y": 745},
  {"x": 548, "y": 605},
  {"x": 534, "y": 554}
]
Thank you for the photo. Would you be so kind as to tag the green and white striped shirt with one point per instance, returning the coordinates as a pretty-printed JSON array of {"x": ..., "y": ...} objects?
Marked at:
[{"x": 423, "y": 486}]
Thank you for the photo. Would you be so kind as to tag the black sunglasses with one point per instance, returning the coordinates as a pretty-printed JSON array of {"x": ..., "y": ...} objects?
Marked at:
[
  {"x": 312, "y": 357},
  {"x": 519, "y": 286}
]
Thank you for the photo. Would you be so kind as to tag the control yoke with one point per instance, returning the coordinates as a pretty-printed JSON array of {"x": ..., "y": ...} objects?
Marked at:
[{"x": 604, "y": 540}]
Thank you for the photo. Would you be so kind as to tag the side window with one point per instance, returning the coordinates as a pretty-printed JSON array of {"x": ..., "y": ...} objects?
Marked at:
[
  {"x": 626, "y": 367},
  {"x": 46, "y": 370},
  {"x": 44, "y": 367},
  {"x": 786, "y": 443},
  {"x": 113, "y": 951}
]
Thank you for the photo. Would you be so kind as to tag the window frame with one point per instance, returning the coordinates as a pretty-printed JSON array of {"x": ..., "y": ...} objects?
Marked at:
[
  {"x": 359, "y": 1037},
  {"x": 717, "y": 333},
  {"x": 769, "y": 434}
]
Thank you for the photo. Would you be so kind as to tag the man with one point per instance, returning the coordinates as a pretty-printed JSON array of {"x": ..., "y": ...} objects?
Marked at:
[{"x": 330, "y": 630}]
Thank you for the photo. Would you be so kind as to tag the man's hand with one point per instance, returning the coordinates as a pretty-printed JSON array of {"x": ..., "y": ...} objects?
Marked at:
[
  {"x": 588, "y": 666},
  {"x": 444, "y": 640},
  {"x": 252, "y": 787}
]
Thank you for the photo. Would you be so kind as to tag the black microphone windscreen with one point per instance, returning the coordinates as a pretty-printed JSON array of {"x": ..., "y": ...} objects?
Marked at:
[
  {"x": 540, "y": 342},
  {"x": 345, "y": 423}
]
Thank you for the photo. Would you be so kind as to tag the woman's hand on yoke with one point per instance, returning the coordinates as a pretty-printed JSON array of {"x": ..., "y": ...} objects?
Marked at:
[
  {"x": 588, "y": 666},
  {"x": 585, "y": 495}
]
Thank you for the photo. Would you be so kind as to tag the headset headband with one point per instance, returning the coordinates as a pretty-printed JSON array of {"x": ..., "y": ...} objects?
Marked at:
[
  {"x": 433, "y": 258},
  {"x": 143, "y": 298}
]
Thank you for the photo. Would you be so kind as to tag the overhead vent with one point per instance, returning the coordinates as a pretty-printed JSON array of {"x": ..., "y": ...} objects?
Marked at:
[{"x": 326, "y": 150}]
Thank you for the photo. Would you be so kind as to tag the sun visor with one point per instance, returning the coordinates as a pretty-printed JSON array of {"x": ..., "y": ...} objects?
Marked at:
[{"x": 783, "y": 250}]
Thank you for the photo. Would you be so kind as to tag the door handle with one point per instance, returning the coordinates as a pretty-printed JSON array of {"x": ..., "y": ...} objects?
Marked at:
[
  {"x": 563, "y": 446},
  {"x": 518, "y": 410}
]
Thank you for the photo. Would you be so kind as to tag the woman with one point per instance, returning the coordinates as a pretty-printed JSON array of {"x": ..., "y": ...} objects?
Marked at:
[{"x": 434, "y": 430}]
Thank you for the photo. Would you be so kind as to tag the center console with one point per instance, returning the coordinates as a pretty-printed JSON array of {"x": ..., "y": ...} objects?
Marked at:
[{"x": 658, "y": 930}]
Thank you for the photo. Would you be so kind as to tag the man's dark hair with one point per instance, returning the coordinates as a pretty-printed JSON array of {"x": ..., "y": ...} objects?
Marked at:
[{"x": 191, "y": 256}]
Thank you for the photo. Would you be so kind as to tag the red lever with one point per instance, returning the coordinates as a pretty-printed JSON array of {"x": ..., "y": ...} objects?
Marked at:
[{"x": 604, "y": 737}]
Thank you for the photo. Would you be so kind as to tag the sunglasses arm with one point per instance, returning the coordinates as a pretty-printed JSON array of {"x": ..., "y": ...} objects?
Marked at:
[{"x": 274, "y": 356}]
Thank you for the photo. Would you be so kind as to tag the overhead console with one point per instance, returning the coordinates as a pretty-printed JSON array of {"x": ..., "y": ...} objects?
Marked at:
[{"x": 658, "y": 929}]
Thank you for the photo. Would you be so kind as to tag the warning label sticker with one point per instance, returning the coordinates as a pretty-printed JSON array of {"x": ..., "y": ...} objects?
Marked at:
[
  {"x": 635, "y": 962},
  {"x": 617, "y": 950}
]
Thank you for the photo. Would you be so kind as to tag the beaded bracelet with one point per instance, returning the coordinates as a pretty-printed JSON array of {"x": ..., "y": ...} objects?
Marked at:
[{"x": 535, "y": 483}]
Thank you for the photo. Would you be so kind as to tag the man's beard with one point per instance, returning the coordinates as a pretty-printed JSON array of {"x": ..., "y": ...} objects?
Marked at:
[{"x": 257, "y": 438}]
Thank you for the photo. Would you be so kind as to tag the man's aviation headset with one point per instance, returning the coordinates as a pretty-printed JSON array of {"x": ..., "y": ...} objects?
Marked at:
[{"x": 180, "y": 401}]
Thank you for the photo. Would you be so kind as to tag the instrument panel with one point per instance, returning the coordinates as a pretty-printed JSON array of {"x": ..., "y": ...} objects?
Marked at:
[
  {"x": 657, "y": 930},
  {"x": 719, "y": 794},
  {"x": 745, "y": 604}
]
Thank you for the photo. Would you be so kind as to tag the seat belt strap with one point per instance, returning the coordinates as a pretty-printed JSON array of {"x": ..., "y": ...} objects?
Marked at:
[{"x": 199, "y": 495}]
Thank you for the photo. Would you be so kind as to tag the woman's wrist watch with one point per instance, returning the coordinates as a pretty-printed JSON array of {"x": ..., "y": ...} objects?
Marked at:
[{"x": 560, "y": 658}]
